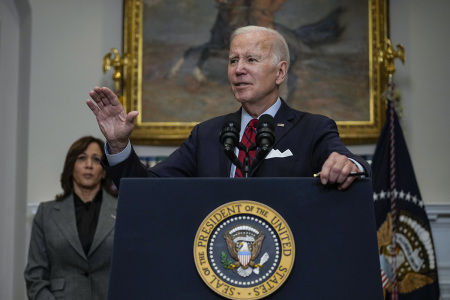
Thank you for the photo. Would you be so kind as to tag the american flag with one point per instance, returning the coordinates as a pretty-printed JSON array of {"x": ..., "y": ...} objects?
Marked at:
[{"x": 384, "y": 279}]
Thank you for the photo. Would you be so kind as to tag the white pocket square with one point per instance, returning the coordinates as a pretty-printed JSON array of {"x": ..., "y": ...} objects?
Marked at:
[{"x": 276, "y": 153}]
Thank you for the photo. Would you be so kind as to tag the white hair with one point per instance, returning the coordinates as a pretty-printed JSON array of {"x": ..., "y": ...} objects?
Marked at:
[{"x": 280, "y": 46}]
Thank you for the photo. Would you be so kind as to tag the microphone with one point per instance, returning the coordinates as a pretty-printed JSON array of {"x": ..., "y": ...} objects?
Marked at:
[
  {"x": 264, "y": 139},
  {"x": 229, "y": 136},
  {"x": 265, "y": 132}
]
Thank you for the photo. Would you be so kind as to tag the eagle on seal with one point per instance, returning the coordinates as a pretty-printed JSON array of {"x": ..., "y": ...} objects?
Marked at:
[{"x": 246, "y": 254}]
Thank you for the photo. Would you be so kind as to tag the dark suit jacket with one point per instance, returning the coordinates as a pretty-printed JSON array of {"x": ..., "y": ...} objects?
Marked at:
[
  {"x": 57, "y": 264},
  {"x": 311, "y": 139}
]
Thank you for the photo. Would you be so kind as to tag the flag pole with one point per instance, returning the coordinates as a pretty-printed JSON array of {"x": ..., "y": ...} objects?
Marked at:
[
  {"x": 392, "y": 191},
  {"x": 407, "y": 255},
  {"x": 387, "y": 56}
]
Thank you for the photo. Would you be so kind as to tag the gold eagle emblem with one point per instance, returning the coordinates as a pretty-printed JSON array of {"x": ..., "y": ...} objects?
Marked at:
[
  {"x": 409, "y": 281},
  {"x": 234, "y": 249}
]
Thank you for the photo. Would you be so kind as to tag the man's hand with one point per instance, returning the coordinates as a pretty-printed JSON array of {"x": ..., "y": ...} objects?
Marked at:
[
  {"x": 115, "y": 124},
  {"x": 336, "y": 170}
]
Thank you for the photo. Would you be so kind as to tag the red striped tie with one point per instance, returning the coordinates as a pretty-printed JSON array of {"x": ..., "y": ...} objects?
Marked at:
[{"x": 247, "y": 139}]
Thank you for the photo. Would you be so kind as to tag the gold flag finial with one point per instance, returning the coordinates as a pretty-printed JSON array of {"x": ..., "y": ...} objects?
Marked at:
[
  {"x": 388, "y": 54},
  {"x": 117, "y": 63}
]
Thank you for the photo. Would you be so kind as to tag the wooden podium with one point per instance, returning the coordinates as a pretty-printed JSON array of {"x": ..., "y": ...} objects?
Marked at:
[{"x": 336, "y": 250}]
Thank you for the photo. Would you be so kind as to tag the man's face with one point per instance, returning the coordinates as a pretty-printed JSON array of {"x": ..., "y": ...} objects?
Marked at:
[{"x": 252, "y": 73}]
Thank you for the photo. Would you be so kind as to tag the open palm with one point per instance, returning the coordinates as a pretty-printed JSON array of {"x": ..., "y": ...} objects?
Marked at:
[{"x": 115, "y": 124}]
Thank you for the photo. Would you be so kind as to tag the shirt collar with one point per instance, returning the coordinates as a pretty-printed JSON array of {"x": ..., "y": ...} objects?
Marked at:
[
  {"x": 245, "y": 117},
  {"x": 97, "y": 199}
]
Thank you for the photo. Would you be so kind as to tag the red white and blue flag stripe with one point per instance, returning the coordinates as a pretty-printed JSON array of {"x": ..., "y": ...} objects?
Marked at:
[{"x": 244, "y": 257}]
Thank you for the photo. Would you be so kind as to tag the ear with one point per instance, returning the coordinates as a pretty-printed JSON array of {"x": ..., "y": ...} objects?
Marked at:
[{"x": 282, "y": 69}]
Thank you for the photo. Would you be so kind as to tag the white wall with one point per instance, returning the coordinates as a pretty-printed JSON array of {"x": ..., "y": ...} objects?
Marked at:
[
  {"x": 14, "y": 83},
  {"x": 422, "y": 27},
  {"x": 51, "y": 55},
  {"x": 69, "y": 40}
]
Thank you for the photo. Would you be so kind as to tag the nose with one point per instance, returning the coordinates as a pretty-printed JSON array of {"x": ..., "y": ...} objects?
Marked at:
[
  {"x": 240, "y": 67},
  {"x": 89, "y": 162}
]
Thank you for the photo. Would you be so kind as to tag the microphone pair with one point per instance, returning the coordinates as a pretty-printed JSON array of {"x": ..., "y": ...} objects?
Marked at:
[{"x": 264, "y": 139}]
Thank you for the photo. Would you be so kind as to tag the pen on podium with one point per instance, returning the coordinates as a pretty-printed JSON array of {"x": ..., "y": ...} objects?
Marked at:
[{"x": 351, "y": 174}]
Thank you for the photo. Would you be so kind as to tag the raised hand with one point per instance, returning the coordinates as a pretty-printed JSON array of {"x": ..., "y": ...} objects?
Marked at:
[{"x": 115, "y": 124}]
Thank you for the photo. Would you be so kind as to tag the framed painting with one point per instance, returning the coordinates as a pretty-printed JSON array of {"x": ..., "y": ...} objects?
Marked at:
[{"x": 177, "y": 56}]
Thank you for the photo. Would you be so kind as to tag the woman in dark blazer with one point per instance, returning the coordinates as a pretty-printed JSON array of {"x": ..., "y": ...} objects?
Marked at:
[{"x": 72, "y": 237}]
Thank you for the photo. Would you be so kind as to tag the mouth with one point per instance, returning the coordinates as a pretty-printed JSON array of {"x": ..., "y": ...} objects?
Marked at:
[{"x": 241, "y": 84}]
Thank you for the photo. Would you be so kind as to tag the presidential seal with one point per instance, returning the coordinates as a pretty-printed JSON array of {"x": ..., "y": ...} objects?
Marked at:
[
  {"x": 414, "y": 261},
  {"x": 244, "y": 250}
]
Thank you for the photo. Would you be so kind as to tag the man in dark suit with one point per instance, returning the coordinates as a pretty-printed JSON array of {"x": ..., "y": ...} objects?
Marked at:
[{"x": 258, "y": 64}]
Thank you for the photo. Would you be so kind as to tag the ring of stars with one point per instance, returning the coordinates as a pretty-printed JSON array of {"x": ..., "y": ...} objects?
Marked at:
[{"x": 262, "y": 277}]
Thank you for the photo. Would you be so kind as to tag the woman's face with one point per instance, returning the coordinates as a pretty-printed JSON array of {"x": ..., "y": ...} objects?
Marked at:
[{"x": 87, "y": 171}]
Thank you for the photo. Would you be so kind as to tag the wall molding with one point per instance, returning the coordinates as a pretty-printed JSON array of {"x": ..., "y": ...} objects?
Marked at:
[{"x": 439, "y": 217}]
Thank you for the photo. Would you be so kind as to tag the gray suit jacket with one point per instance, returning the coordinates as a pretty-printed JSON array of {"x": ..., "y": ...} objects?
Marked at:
[{"x": 57, "y": 266}]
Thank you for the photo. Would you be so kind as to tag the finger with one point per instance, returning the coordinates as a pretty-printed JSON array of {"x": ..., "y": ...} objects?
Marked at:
[
  {"x": 131, "y": 116},
  {"x": 92, "y": 107},
  {"x": 93, "y": 94},
  {"x": 111, "y": 96},
  {"x": 102, "y": 96},
  {"x": 338, "y": 172},
  {"x": 335, "y": 169},
  {"x": 107, "y": 96},
  {"x": 344, "y": 171},
  {"x": 325, "y": 171},
  {"x": 348, "y": 179},
  {"x": 324, "y": 175},
  {"x": 347, "y": 183}
]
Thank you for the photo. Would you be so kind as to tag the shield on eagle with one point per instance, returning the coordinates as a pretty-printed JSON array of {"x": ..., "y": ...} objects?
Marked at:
[{"x": 244, "y": 254}]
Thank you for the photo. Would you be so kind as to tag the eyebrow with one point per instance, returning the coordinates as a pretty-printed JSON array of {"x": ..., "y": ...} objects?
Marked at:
[
  {"x": 246, "y": 56},
  {"x": 93, "y": 154}
]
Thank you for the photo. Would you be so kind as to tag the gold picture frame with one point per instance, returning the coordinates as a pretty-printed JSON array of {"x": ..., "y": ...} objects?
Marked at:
[{"x": 154, "y": 53}]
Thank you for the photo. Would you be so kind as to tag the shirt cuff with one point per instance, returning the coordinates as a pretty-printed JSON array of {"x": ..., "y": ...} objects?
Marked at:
[
  {"x": 360, "y": 167},
  {"x": 114, "y": 159}
]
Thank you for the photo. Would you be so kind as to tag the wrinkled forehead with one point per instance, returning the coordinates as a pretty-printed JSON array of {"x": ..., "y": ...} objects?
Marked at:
[{"x": 251, "y": 42}]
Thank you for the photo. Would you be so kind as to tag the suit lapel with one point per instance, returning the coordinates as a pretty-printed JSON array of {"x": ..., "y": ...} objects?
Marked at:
[
  {"x": 64, "y": 217},
  {"x": 284, "y": 121},
  {"x": 224, "y": 161},
  {"x": 106, "y": 221},
  {"x": 225, "y": 164}
]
